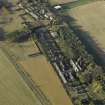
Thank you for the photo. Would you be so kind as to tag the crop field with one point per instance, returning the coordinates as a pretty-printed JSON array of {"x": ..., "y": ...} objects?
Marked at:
[
  {"x": 91, "y": 18},
  {"x": 44, "y": 76},
  {"x": 13, "y": 89}
]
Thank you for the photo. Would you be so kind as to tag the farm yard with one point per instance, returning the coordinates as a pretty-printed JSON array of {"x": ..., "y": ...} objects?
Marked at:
[{"x": 13, "y": 89}]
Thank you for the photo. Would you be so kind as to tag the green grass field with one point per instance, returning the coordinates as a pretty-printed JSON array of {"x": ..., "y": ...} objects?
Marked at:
[{"x": 13, "y": 90}]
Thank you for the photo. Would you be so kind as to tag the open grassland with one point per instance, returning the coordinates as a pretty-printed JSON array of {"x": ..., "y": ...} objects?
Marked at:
[
  {"x": 45, "y": 77},
  {"x": 91, "y": 18},
  {"x": 13, "y": 90}
]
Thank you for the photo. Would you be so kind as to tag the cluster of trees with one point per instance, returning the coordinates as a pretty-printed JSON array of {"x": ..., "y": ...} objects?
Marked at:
[
  {"x": 80, "y": 55},
  {"x": 90, "y": 71},
  {"x": 18, "y": 36}
]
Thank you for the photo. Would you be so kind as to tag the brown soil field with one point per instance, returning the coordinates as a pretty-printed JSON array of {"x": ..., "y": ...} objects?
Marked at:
[
  {"x": 44, "y": 76},
  {"x": 91, "y": 18}
]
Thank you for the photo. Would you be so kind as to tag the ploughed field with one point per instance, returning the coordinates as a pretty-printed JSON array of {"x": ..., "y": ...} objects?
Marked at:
[
  {"x": 91, "y": 18},
  {"x": 13, "y": 89}
]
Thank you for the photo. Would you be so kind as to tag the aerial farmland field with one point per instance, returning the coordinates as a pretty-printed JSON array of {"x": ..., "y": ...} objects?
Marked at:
[
  {"x": 91, "y": 18},
  {"x": 44, "y": 76},
  {"x": 13, "y": 89},
  {"x": 40, "y": 71}
]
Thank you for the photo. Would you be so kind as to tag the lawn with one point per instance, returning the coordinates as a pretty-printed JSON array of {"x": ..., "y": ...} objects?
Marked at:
[{"x": 13, "y": 89}]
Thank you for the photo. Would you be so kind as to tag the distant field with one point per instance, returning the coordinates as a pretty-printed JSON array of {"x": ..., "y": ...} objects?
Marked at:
[
  {"x": 23, "y": 50},
  {"x": 91, "y": 18},
  {"x": 60, "y": 1},
  {"x": 13, "y": 90},
  {"x": 44, "y": 76}
]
